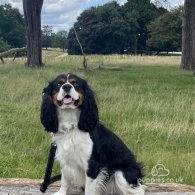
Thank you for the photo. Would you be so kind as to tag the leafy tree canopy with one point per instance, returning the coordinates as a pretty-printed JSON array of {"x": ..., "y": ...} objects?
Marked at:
[
  {"x": 46, "y": 36},
  {"x": 3, "y": 45},
  {"x": 165, "y": 32},
  {"x": 55, "y": 40},
  {"x": 60, "y": 39},
  {"x": 12, "y": 29}
]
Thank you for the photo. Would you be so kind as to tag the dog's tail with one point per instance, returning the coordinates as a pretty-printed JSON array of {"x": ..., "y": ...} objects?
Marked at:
[{"x": 125, "y": 188}]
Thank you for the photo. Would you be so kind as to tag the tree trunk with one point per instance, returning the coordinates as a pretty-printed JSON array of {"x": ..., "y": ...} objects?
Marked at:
[
  {"x": 188, "y": 35},
  {"x": 32, "y": 15},
  {"x": 135, "y": 46},
  {"x": 81, "y": 47}
]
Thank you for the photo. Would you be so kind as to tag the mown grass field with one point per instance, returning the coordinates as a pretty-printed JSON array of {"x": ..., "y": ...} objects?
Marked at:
[{"x": 150, "y": 106}]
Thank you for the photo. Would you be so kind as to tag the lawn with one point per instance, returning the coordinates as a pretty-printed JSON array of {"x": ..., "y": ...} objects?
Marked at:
[{"x": 150, "y": 106}]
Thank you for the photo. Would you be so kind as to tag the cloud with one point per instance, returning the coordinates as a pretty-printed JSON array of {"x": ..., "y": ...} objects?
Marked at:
[
  {"x": 61, "y": 14},
  {"x": 4, "y": 2},
  {"x": 17, "y": 4},
  {"x": 62, "y": 6},
  {"x": 61, "y": 21}
]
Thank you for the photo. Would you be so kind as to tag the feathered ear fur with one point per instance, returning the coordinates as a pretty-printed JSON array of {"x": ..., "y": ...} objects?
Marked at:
[
  {"x": 48, "y": 111},
  {"x": 89, "y": 111}
]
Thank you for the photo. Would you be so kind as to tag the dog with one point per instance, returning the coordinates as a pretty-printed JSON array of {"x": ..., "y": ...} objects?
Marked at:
[{"x": 90, "y": 155}]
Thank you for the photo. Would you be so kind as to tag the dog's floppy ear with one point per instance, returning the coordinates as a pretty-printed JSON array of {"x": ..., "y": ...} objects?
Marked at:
[
  {"x": 89, "y": 111},
  {"x": 48, "y": 111}
]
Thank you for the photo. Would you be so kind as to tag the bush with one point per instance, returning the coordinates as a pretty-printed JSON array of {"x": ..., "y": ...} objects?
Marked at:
[{"x": 3, "y": 45}]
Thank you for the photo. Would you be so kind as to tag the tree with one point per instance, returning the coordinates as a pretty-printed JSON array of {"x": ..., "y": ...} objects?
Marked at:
[
  {"x": 188, "y": 35},
  {"x": 101, "y": 30},
  {"x": 138, "y": 15},
  {"x": 165, "y": 32},
  {"x": 12, "y": 31},
  {"x": 47, "y": 36},
  {"x": 32, "y": 15},
  {"x": 85, "y": 28},
  {"x": 60, "y": 39},
  {"x": 3, "y": 45}
]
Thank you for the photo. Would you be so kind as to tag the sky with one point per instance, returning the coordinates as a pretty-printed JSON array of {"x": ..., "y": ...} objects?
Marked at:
[{"x": 61, "y": 14}]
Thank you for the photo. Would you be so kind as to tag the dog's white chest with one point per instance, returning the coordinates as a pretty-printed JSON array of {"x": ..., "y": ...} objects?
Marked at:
[{"x": 74, "y": 148}]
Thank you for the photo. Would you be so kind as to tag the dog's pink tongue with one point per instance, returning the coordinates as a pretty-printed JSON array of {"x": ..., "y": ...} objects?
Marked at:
[{"x": 67, "y": 100}]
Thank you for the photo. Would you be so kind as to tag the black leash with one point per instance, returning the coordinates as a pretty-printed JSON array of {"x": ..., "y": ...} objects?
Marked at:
[{"x": 48, "y": 179}]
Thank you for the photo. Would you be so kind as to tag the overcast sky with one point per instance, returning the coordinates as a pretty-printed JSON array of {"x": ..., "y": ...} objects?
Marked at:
[{"x": 61, "y": 14}]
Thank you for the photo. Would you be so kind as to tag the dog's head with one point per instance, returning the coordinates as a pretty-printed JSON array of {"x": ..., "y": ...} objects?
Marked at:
[{"x": 68, "y": 91}]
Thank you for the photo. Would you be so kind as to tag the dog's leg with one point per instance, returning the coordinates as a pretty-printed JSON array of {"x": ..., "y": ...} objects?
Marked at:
[
  {"x": 98, "y": 185},
  {"x": 64, "y": 186},
  {"x": 91, "y": 186}
]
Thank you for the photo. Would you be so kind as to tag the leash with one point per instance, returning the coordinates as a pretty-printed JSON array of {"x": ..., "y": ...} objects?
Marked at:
[{"x": 48, "y": 179}]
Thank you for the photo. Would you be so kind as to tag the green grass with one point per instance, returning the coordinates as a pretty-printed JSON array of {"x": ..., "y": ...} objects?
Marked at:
[{"x": 150, "y": 106}]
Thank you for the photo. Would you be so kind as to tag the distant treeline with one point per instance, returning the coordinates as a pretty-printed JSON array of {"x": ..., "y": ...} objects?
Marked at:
[{"x": 136, "y": 27}]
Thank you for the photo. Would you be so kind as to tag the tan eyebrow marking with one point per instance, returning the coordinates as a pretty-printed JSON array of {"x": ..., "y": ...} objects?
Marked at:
[
  {"x": 72, "y": 80},
  {"x": 62, "y": 80}
]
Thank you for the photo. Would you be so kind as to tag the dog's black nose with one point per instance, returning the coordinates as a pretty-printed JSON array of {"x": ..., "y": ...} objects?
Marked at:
[{"x": 67, "y": 87}]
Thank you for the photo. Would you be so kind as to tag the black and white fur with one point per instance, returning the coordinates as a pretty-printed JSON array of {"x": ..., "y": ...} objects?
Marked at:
[{"x": 90, "y": 155}]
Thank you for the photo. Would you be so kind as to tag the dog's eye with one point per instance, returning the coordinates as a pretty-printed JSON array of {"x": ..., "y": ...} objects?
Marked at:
[
  {"x": 59, "y": 84},
  {"x": 74, "y": 83}
]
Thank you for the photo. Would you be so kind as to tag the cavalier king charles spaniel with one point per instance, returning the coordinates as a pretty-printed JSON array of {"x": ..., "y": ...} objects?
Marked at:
[{"x": 90, "y": 155}]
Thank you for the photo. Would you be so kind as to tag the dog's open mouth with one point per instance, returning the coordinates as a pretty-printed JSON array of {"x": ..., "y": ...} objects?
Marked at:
[{"x": 67, "y": 100}]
